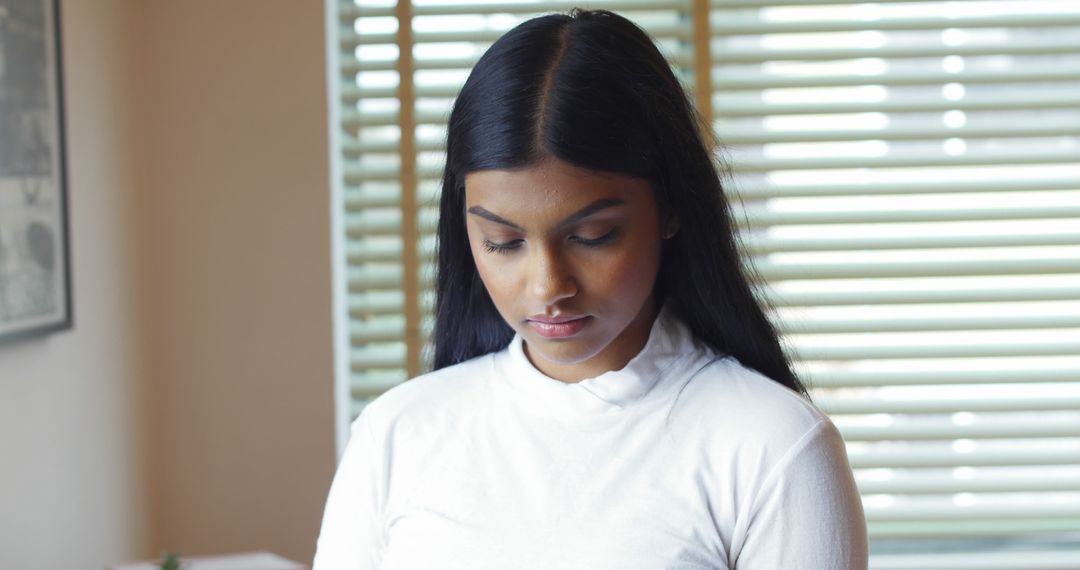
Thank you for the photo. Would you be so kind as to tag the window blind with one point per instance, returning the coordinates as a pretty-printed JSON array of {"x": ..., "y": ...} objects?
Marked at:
[
  {"x": 906, "y": 177},
  {"x": 910, "y": 184}
]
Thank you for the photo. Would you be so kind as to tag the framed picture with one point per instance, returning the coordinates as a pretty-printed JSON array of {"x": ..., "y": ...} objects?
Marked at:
[{"x": 35, "y": 275}]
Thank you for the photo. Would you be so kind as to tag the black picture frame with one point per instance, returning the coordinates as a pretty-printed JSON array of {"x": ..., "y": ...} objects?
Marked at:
[{"x": 35, "y": 265}]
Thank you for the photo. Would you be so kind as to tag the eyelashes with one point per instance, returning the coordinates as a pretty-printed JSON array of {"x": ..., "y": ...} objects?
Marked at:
[{"x": 492, "y": 247}]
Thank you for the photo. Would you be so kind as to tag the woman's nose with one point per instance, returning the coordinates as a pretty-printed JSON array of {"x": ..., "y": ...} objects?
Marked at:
[{"x": 551, "y": 278}]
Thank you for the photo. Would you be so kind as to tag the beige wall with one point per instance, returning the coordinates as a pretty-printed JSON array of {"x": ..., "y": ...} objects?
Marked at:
[
  {"x": 234, "y": 202},
  {"x": 191, "y": 407},
  {"x": 72, "y": 481}
]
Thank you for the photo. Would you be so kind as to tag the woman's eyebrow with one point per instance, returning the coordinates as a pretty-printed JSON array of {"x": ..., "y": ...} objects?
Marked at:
[
  {"x": 479, "y": 211},
  {"x": 601, "y": 204},
  {"x": 581, "y": 214}
]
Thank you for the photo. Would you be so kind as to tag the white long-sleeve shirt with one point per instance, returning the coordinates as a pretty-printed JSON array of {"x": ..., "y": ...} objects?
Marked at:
[{"x": 680, "y": 460}]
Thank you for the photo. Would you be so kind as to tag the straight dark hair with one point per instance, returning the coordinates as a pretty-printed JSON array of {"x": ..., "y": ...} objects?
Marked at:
[{"x": 590, "y": 88}]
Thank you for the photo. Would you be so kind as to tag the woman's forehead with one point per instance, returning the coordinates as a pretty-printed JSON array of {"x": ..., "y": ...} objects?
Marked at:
[{"x": 551, "y": 183}]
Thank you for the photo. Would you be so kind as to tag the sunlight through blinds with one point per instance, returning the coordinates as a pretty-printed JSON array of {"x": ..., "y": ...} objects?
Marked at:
[{"x": 910, "y": 181}]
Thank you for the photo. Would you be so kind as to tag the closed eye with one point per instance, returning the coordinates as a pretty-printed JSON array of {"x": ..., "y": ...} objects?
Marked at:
[
  {"x": 492, "y": 247},
  {"x": 596, "y": 242}
]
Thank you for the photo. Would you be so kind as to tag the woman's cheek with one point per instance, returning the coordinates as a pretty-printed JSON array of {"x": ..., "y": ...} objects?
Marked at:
[
  {"x": 493, "y": 277},
  {"x": 636, "y": 268}
]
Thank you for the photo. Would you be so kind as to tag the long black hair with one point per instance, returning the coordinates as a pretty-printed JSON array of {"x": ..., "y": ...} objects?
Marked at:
[{"x": 590, "y": 88}]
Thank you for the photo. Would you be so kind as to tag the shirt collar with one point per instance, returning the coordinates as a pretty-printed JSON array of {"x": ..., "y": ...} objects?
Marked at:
[{"x": 670, "y": 340}]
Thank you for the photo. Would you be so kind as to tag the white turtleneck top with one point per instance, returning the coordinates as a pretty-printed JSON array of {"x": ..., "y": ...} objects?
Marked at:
[{"x": 680, "y": 460}]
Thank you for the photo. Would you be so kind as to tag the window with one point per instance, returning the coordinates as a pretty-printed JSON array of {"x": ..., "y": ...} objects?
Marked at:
[{"x": 907, "y": 175}]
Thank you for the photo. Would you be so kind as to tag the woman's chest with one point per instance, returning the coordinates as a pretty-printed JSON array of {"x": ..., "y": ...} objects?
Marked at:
[{"x": 547, "y": 497}]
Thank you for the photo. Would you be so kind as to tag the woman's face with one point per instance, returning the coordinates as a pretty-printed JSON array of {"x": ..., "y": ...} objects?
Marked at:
[{"x": 554, "y": 242}]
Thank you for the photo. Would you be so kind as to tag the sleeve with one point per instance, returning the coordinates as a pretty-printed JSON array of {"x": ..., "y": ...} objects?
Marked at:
[
  {"x": 807, "y": 513},
  {"x": 351, "y": 537}
]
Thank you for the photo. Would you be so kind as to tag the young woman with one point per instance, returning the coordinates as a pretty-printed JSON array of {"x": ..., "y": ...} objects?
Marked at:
[{"x": 607, "y": 392}]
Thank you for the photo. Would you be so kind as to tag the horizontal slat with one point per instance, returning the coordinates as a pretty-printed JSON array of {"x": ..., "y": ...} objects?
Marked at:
[
  {"x": 740, "y": 135},
  {"x": 355, "y": 176},
  {"x": 906, "y": 160},
  {"x": 925, "y": 351},
  {"x": 390, "y": 279},
  {"x": 351, "y": 65},
  {"x": 385, "y": 254},
  {"x": 836, "y": 405},
  {"x": 373, "y": 386},
  {"x": 855, "y": 379},
  {"x": 372, "y": 228},
  {"x": 351, "y": 93},
  {"x": 1062, "y": 126},
  {"x": 881, "y": 458},
  {"x": 376, "y": 280},
  {"x": 726, "y": 79},
  {"x": 762, "y": 245},
  {"x": 1014, "y": 47},
  {"x": 361, "y": 310},
  {"x": 737, "y": 23},
  {"x": 358, "y": 253},
  {"x": 774, "y": 271},
  {"x": 360, "y": 333},
  {"x": 354, "y": 120},
  {"x": 368, "y": 385},
  {"x": 946, "y": 430},
  {"x": 349, "y": 12},
  {"x": 364, "y": 363},
  {"x": 754, "y": 106},
  {"x": 859, "y": 242},
  {"x": 946, "y": 268},
  {"x": 357, "y": 199},
  {"x": 818, "y": 325},
  {"x": 354, "y": 149},
  {"x": 752, "y": 190},
  {"x": 945, "y": 484},
  {"x": 757, "y": 217},
  {"x": 364, "y": 332},
  {"x": 349, "y": 40},
  {"x": 358, "y": 228},
  {"x": 947, "y": 512},
  {"x": 994, "y": 560},
  {"x": 381, "y": 332},
  {"x": 972, "y": 528},
  {"x": 446, "y": 91},
  {"x": 383, "y": 309},
  {"x": 915, "y": 296},
  {"x": 364, "y": 359},
  {"x": 743, "y": 106}
]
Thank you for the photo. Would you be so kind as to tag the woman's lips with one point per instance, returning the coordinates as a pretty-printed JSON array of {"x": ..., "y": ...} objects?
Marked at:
[{"x": 558, "y": 327}]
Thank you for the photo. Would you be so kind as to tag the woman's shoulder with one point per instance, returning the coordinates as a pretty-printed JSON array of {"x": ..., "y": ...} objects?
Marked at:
[
  {"x": 434, "y": 395},
  {"x": 735, "y": 403}
]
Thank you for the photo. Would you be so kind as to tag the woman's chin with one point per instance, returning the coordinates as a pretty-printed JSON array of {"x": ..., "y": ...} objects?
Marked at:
[{"x": 562, "y": 351}]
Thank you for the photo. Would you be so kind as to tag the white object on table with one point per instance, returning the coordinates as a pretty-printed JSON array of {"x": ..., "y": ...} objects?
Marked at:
[{"x": 244, "y": 561}]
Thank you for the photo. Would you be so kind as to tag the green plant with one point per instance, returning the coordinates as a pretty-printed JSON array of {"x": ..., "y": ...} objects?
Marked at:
[{"x": 171, "y": 561}]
